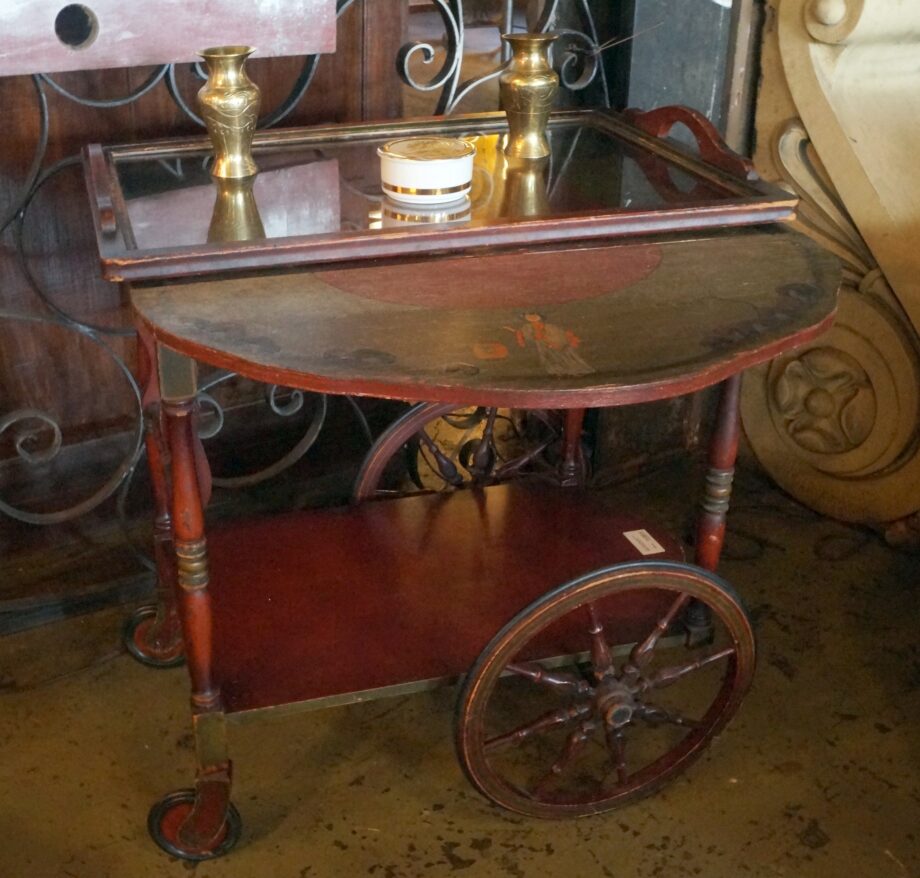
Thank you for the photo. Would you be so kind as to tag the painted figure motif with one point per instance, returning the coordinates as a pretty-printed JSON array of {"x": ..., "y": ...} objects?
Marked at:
[{"x": 556, "y": 347}]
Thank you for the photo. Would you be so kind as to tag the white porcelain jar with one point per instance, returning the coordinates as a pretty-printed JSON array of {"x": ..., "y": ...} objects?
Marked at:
[{"x": 426, "y": 170}]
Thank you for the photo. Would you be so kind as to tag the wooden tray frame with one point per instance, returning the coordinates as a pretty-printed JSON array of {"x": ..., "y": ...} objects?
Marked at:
[{"x": 753, "y": 201}]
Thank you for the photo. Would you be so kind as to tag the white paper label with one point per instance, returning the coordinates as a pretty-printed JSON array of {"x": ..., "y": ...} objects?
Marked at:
[{"x": 644, "y": 542}]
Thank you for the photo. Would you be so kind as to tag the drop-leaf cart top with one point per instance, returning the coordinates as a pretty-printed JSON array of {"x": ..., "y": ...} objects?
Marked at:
[{"x": 596, "y": 662}]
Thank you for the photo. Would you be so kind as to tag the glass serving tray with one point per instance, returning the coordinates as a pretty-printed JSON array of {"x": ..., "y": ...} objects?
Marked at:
[{"x": 317, "y": 198}]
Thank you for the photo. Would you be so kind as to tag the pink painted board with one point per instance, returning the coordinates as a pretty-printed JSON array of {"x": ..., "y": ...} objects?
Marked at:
[{"x": 49, "y": 36}]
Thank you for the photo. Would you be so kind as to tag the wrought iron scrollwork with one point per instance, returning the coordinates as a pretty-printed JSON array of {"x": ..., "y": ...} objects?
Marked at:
[
  {"x": 150, "y": 83},
  {"x": 287, "y": 409},
  {"x": 33, "y": 449},
  {"x": 38, "y": 156},
  {"x": 577, "y": 56}
]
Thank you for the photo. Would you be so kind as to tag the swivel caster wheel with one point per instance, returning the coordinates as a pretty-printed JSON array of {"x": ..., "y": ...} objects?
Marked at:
[
  {"x": 165, "y": 820},
  {"x": 142, "y": 640},
  {"x": 595, "y": 696}
]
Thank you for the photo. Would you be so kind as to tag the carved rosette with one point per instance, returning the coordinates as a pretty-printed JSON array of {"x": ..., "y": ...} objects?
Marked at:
[
  {"x": 825, "y": 400},
  {"x": 835, "y": 423}
]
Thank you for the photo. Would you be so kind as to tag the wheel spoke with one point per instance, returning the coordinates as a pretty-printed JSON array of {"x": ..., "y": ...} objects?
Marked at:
[
  {"x": 668, "y": 676},
  {"x": 560, "y": 680},
  {"x": 508, "y": 469},
  {"x": 549, "y": 720},
  {"x": 659, "y": 716},
  {"x": 574, "y": 744},
  {"x": 616, "y": 744},
  {"x": 446, "y": 468},
  {"x": 642, "y": 652},
  {"x": 600, "y": 650},
  {"x": 483, "y": 457}
]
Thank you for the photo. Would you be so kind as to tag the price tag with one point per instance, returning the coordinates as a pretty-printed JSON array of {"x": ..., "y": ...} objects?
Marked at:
[{"x": 644, "y": 542}]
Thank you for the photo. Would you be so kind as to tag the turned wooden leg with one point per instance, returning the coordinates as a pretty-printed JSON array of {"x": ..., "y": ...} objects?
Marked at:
[
  {"x": 571, "y": 467},
  {"x": 152, "y": 633},
  {"x": 723, "y": 450},
  {"x": 197, "y": 824},
  {"x": 710, "y": 531}
]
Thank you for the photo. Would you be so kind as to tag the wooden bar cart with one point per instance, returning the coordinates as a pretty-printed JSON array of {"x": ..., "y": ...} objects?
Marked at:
[{"x": 596, "y": 662}]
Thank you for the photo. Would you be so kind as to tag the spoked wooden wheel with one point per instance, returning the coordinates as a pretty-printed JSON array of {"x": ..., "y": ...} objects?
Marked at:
[
  {"x": 437, "y": 447},
  {"x": 595, "y": 696}
]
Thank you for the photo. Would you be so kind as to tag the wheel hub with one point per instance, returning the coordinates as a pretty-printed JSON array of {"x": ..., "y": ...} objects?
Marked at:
[
  {"x": 615, "y": 703},
  {"x": 618, "y": 714}
]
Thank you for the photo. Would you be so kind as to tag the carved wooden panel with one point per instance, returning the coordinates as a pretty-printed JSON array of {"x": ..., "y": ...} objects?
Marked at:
[{"x": 838, "y": 120}]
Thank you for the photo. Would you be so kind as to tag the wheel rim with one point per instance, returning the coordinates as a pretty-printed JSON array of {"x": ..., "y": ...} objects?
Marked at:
[
  {"x": 573, "y": 737},
  {"x": 442, "y": 447}
]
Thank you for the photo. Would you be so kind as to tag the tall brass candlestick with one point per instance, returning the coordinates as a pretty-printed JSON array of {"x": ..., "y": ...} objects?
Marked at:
[
  {"x": 230, "y": 106},
  {"x": 528, "y": 87}
]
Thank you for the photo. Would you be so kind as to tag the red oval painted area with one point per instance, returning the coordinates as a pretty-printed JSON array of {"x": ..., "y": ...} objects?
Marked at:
[{"x": 542, "y": 279}]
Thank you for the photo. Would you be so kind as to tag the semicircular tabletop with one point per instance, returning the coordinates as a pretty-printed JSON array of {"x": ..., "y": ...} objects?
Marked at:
[{"x": 600, "y": 324}]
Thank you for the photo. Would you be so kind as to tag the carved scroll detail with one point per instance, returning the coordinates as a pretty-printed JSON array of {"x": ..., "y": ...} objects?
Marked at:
[{"x": 821, "y": 213}]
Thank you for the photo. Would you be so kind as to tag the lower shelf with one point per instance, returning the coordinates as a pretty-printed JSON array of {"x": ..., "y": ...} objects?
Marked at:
[{"x": 336, "y": 604}]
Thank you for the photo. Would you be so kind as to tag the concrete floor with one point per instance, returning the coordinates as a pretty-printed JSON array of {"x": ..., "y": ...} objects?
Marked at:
[{"x": 819, "y": 774}]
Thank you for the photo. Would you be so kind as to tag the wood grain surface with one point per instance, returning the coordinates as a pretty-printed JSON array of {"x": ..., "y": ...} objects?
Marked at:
[
  {"x": 320, "y": 603},
  {"x": 602, "y": 325}
]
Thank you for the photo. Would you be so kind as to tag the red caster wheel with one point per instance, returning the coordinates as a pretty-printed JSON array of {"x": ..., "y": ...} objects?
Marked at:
[
  {"x": 597, "y": 694},
  {"x": 144, "y": 639},
  {"x": 167, "y": 816}
]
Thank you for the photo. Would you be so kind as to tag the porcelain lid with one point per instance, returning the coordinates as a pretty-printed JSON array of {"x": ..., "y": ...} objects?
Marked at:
[{"x": 427, "y": 149}]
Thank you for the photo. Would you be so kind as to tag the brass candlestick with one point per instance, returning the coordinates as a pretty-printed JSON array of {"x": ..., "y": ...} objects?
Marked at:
[
  {"x": 230, "y": 106},
  {"x": 528, "y": 87},
  {"x": 236, "y": 215}
]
